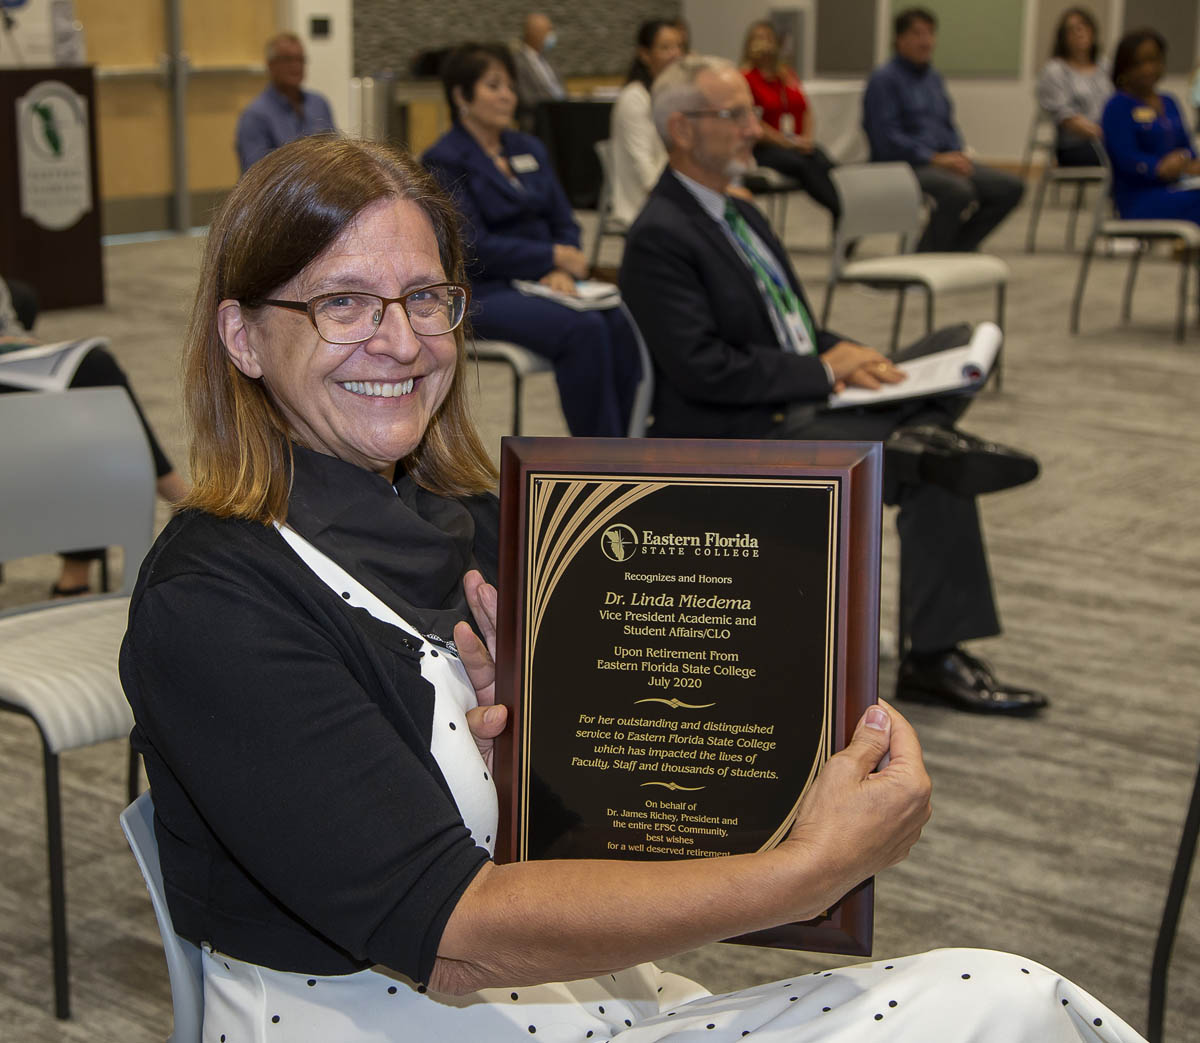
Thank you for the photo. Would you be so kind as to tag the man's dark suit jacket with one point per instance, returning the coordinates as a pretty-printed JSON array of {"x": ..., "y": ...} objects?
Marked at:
[{"x": 719, "y": 369}]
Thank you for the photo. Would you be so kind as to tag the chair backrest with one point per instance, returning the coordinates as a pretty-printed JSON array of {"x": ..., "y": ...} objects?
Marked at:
[
  {"x": 877, "y": 199},
  {"x": 604, "y": 201},
  {"x": 1043, "y": 136},
  {"x": 183, "y": 957},
  {"x": 1102, "y": 205},
  {"x": 643, "y": 399},
  {"x": 75, "y": 472}
]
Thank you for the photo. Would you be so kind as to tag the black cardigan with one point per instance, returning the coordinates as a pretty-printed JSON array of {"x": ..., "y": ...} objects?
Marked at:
[{"x": 301, "y": 820}]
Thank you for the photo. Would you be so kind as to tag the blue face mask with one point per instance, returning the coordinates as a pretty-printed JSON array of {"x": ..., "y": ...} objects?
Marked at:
[{"x": 550, "y": 41}]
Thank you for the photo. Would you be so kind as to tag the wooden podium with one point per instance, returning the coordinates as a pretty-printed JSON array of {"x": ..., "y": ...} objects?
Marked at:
[{"x": 49, "y": 195}]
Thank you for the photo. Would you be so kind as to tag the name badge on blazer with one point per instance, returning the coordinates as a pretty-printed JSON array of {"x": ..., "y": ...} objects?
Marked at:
[
  {"x": 1144, "y": 114},
  {"x": 526, "y": 163}
]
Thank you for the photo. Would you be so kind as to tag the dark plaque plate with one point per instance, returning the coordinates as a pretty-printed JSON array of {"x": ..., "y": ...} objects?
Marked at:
[{"x": 689, "y": 630}]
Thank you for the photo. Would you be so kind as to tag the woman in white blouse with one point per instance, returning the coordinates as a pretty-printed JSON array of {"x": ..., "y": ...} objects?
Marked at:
[
  {"x": 1073, "y": 87},
  {"x": 638, "y": 154}
]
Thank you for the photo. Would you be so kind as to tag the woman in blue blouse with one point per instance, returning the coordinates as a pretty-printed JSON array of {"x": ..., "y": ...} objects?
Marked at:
[
  {"x": 1145, "y": 136},
  {"x": 519, "y": 225}
]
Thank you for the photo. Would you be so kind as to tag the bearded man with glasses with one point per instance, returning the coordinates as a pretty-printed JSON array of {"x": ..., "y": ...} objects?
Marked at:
[{"x": 738, "y": 354}]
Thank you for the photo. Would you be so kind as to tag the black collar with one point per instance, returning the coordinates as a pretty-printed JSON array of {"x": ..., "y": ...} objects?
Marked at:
[{"x": 408, "y": 546}]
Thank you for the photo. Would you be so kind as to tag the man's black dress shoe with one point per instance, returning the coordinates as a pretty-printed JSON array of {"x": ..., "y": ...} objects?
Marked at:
[
  {"x": 957, "y": 461},
  {"x": 958, "y": 679}
]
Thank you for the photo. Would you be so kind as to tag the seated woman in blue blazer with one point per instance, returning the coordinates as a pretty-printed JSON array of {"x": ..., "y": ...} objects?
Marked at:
[
  {"x": 1145, "y": 136},
  {"x": 519, "y": 225}
]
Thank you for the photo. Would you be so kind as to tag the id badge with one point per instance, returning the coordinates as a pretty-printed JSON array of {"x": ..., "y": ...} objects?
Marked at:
[
  {"x": 799, "y": 334},
  {"x": 526, "y": 163},
  {"x": 787, "y": 124},
  {"x": 1144, "y": 114}
]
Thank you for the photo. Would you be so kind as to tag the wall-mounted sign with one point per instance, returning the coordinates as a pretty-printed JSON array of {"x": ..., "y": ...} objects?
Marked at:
[{"x": 52, "y": 149}]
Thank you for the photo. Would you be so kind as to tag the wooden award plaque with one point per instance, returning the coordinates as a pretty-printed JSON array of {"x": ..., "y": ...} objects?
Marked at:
[{"x": 689, "y": 630}]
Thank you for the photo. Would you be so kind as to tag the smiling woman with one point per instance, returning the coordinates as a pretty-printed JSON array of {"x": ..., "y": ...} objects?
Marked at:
[
  {"x": 520, "y": 228},
  {"x": 309, "y": 662},
  {"x": 290, "y": 234}
]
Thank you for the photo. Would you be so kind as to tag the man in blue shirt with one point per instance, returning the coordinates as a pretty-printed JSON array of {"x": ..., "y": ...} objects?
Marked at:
[
  {"x": 908, "y": 116},
  {"x": 284, "y": 111}
]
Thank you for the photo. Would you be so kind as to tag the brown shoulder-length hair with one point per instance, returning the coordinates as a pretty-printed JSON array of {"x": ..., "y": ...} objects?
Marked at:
[
  {"x": 748, "y": 61},
  {"x": 283, "y": 214},
  {"x": 1061, "y": 50}
]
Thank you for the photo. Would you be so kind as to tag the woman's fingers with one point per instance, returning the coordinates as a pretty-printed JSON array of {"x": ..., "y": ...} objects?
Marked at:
[
  {"x": 860, "y": 817},
  {"x": 485, "y": 723},
  {"x": 478, "y": 662},
  {"x": 483, "y": 602}
]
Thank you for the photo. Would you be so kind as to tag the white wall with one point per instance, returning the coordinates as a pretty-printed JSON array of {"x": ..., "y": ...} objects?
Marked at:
[
  {"x": 331, "y": 60},
  {"x": 994, "y": 114}
]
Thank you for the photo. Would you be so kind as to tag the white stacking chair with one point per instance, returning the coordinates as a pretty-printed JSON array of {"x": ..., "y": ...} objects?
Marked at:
[
  {"x": 524, "y": 363},
  {"x": 606, "y": 223},
  {"x": 886, "y": 199},
  {"x": 183, "y": 957},
  {"x": 521, "y": 361},
  {"x": 1042, "y": 140},
  {"x": 75, "y": 472},
  {"x": 1185, "y": 234},
  {"x": 776, "y": 189}
]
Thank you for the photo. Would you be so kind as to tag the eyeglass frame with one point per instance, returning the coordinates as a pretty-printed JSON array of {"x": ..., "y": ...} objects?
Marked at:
[
  {"x": 728, "y": 114},
  {"x": 386, "y": 302}
]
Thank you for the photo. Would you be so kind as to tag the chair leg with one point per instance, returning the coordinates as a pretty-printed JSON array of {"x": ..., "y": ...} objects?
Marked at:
[
  {"x": 1181, "y": 317},
  {"x": 58, "y": 894},
  {"x": 518, "y": 388},
  {"x": 1035, "y": 214},
  {"x": 105, "y": 585},
  {"x": 1170, "y": 917},
  {"x": 1080, "y": 188},
  {"x": 1130, "y": 279},
  {"x": 1001, "y": 293},
  {"x": 135, "y": 775},
  {"x": 828, "y": 305},
  {"x": 1077, "y": 300},
  {"x": 596, "y": 245},
  {"x": 898, "y": 320}
]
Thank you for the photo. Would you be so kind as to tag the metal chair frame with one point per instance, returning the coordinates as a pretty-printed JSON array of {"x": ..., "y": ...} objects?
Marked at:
[
  {"x": 898, "y": 210},
  {"x": 606, "y": 224},
  {"x": 93, "y": 490},
  {"x": 1053, "y": 174},
  {"x": 523, "y": 363},
  {"x": 1144, "y": 232},
  {"x": 776, "y": 189}
]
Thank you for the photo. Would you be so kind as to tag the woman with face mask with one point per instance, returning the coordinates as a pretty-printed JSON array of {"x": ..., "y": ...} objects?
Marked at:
[{"x": 787, "y": 144}]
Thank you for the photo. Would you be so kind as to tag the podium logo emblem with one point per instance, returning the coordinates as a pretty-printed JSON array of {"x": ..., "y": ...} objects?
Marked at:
[
  {"x": 53, "y": 153},
  {"x": 619, "y": 542}
]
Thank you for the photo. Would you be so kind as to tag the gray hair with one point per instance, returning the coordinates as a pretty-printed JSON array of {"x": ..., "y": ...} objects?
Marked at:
[
  {"x": 675, "y": 88},
  {"x": 272, "y": 48}
]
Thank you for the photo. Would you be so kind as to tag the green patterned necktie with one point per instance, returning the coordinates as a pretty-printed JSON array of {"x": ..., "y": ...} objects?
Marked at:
[{"x": 781, "y": 298}]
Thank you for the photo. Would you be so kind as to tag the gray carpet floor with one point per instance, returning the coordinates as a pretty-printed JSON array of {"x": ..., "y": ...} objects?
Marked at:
[{"x": 1051, "y": 837}]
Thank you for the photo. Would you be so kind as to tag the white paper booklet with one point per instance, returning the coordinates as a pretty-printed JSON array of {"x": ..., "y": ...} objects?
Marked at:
[
  {"x": 593, "y": 295},
  {"x": 944, "y": 372},
  {"x": 45, "y": 367}
]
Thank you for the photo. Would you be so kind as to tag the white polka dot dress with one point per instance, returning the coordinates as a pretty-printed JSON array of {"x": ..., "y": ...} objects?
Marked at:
[
  {"x": 945, "y": 996},
  {"x": 942, "y": 996}
]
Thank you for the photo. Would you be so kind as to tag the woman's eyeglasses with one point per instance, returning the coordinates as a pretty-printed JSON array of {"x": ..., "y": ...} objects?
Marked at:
[{"x": 350, "y": 318}]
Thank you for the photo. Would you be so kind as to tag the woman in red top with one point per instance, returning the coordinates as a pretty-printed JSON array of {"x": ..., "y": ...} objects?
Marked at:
[{"x": 787, "y": 143}]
